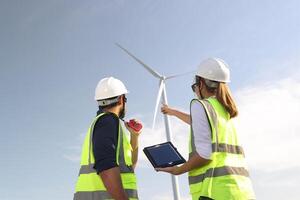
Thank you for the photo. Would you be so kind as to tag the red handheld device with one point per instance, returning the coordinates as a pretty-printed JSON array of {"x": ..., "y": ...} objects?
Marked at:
[{"x": 134, "y": 125}]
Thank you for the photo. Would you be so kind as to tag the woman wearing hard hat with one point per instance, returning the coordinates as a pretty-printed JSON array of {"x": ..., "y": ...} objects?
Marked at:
[{"x": 216, "y": 167}]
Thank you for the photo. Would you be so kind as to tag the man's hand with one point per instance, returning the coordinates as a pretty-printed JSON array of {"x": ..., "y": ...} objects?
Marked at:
[
  {"x": 132, "y": 131},
  {"x": 134, "y": 135}
]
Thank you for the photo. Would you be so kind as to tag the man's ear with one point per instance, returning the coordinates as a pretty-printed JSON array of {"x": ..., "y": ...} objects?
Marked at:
[{"x": 121, "y": 100}]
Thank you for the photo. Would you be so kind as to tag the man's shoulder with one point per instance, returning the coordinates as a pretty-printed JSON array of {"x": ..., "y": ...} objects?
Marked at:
[{"x": 108, "y": 118}]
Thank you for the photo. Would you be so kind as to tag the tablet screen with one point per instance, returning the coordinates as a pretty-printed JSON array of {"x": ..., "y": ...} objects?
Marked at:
[{"x": 163, "y": 155}]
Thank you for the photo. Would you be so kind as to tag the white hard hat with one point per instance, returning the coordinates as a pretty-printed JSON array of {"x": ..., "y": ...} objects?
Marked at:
[
  {"x": 109, "y": 87},
  {"x": 214, "y": 69}
]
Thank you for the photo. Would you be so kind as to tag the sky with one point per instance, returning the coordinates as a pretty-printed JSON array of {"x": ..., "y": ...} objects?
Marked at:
[{"x": 53, "y": 53}]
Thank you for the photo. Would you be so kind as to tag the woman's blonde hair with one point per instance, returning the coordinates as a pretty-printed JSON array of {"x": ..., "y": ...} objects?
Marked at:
[
  {"x": 223, "y": 94},
  {"x": 225, "y": 98}
]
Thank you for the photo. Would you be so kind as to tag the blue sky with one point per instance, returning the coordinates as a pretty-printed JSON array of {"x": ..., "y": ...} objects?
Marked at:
[{"x": 53, "y": 53}]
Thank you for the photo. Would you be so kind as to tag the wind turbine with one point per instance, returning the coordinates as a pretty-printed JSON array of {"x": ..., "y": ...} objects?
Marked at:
[{"x": 162, "y": 95}]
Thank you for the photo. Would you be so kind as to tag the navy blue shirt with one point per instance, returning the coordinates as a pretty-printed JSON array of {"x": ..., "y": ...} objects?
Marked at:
[{"x": 105, "y": 141}]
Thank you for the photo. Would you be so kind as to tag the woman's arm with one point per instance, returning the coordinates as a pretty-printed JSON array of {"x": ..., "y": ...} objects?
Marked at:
[
  {"x": 202, "y": 139},
  {"x": 194, "y": 162},
  {"x": 165, "y": 109}
]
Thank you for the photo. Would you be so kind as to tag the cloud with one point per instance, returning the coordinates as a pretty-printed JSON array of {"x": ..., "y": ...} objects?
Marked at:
[
  {"x": 268, "y": 123},
  {"x": 72, "y": 157},
  {"x": 73, "y": 152},
  {"x": 268, "y": 127},
  {"x": 276, "y": 184}
]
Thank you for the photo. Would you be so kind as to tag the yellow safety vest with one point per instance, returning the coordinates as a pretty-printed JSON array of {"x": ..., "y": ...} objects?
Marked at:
[
  {"x": 89, "y": 184},
  {"x": 226, "y": 177}
]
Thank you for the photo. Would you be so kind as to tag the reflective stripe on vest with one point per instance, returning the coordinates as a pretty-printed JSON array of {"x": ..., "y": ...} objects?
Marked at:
[
  {"x": 103, "y": 195},
  {"x": 89, "y": 184},
  {"x": 86, "y": 169},
  {"x": 218, "y": 171},
  {"x": 228, "y": 148},
  {"x": 226, "y": 175}
]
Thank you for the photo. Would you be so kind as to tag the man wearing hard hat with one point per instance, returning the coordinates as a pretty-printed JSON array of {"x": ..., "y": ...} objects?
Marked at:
[{"x": 108, "y": 157}]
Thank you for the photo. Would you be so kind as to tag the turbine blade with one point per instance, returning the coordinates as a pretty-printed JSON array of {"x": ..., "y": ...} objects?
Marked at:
[
  {"x": 149, "y": 69},
  {"x": 177, "y": 75},
  {"x": 161, "y": 87}
]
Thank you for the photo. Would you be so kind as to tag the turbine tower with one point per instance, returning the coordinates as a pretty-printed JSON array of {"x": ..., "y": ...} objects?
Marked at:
[{"x": 162, "y": 95}]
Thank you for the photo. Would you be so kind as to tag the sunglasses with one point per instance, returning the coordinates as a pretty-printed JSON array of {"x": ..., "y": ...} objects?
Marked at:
[
  {"x": 194, "y": 86},
  {"x": 125, "y": 99}
]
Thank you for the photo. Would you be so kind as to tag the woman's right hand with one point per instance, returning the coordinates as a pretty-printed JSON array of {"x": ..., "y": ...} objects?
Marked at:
[{"x": 165, "y": 109}]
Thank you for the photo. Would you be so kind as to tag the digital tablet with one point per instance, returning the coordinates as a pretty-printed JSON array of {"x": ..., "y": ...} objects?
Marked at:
[{"x": 163, "y": 155}]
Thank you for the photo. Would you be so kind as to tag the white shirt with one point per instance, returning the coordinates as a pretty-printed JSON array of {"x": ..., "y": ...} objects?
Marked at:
[{"x": 201, "y": 129}]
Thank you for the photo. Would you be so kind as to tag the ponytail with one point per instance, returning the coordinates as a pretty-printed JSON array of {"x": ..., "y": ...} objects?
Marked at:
[
  {"x": 225, "y": 98},
  {"x": 222, "y": 92}
]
